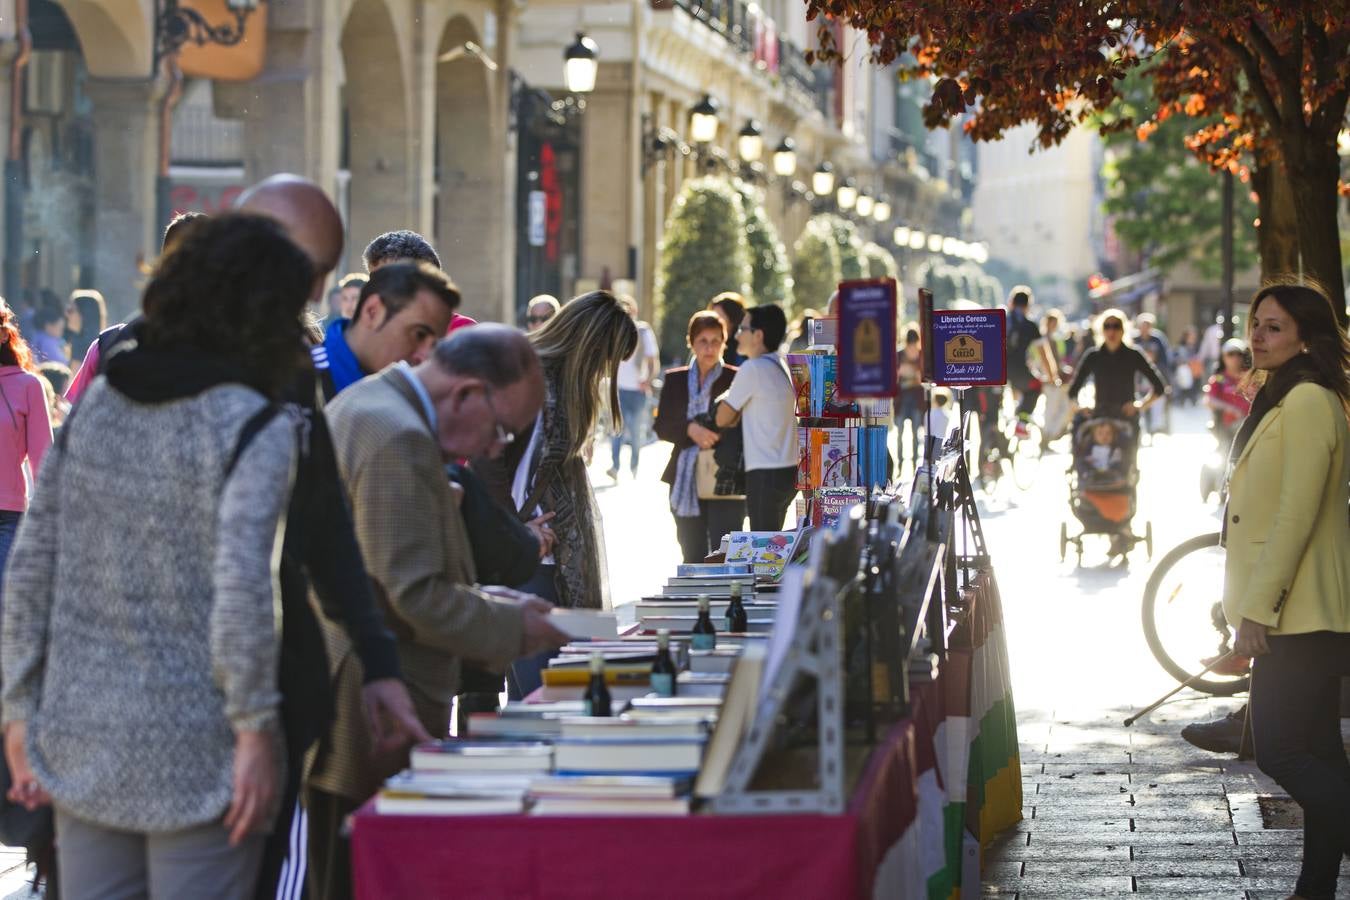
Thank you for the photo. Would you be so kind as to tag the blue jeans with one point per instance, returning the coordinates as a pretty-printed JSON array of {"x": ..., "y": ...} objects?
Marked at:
[
  {"x": 9, "y": 524},
  {"x": 633, "y": 407}
]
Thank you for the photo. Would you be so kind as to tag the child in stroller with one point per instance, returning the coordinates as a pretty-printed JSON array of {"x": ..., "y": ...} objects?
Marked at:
[{"x": 1102, "y": 482}]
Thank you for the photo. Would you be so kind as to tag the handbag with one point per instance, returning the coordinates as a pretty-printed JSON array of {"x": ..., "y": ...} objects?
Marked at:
[
  {"x": 719, "y": 472},
  {"x": 705, "y": 475}
]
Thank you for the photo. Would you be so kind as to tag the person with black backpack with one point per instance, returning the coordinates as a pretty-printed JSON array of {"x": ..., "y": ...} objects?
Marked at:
[{"x": 140, "y": 686}]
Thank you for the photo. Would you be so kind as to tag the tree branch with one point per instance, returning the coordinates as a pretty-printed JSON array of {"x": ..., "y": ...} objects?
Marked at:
[
  {"x": 1290, "y": 82},
  {"x": 1255, "y": 79}
]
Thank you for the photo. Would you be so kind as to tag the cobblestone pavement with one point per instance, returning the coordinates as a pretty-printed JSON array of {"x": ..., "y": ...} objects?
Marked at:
[{"x": 1108, "y": 810}]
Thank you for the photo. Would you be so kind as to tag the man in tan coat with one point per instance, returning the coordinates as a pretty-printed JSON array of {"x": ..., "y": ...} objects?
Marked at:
[{"x": 393, "y": 433}]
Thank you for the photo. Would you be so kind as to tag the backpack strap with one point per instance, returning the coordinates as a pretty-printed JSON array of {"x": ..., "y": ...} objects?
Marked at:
[{"x": 255, "y": 424}]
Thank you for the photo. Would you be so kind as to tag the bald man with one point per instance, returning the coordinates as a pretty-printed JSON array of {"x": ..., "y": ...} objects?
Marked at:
[
  {"x": 320, "y": 547},
  {"x": 310, "y": 218}
]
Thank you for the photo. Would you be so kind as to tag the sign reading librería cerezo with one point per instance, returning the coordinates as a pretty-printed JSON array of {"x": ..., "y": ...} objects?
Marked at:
[{"x": 969, "y": 347}]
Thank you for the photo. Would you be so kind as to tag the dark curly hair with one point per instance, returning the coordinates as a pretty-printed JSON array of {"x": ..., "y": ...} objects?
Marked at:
[{"x": 234, "y": 288}]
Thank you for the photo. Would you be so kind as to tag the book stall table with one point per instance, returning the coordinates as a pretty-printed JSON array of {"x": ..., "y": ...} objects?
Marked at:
[
  {"x": 865, "y": 746},
  {"x": 950, "y": 768}
]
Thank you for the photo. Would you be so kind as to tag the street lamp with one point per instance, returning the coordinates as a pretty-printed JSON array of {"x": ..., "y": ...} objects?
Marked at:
[
  {"x": 901, "y": 236},
  {"x": 935, "y": 243},
  {"x": 785, "y": 158},
  {"x": 580, "y": 65},
  {"x": 703, "y": 121},
  {"x": 865, "y": 205},
  {"x": 750, "y": 142},
  {"x": 822, "y": 180},
  {"x": 917, "y": 239},
  {"x": 847, "y": 194},
  {"x": 979, "y": 253},
  {"x": 949, "y": 246},
  {"x": 882, "y": 211}
]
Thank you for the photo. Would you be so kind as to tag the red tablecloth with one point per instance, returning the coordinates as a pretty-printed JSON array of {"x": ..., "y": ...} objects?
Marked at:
[{"x": 702, "y": 856}]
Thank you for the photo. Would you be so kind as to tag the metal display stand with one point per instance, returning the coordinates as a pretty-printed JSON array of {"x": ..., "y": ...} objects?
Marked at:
[{"x": 815, "y": 655}]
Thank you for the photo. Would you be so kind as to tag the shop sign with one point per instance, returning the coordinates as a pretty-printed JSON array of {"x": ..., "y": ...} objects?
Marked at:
[
  {"x": 867, "y": 338},
  {"x": 969, "y": 347}
]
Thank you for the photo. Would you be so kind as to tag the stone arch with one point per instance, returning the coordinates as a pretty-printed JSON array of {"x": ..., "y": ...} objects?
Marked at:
[
  {"x": 116, "y": 36},
  {"x": 377, "y": 127},
  {"x": 470, "y": 167}
]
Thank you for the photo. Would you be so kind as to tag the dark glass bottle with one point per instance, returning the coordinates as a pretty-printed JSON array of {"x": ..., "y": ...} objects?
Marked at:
[
  {"x": 737, "y": 621},
  {"x": 663, "y": 667},
  {"x": 597, "y": 692},
  {"x": 704, "y": 635}
]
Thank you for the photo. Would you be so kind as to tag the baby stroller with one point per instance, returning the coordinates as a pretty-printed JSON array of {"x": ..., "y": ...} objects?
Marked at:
[{"x": 1103, "y": 479}]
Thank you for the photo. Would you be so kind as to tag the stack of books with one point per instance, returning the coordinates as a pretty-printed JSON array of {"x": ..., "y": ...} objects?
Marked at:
[
  {"x": 610, "y": 795},
  {"x": 669, "y": 747},
  {"x": 457, "y": 778},
  {"x": 524, "y": 721}
]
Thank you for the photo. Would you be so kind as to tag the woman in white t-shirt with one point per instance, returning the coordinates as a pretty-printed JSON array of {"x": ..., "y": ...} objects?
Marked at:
[{"x": 763, "y": 399}]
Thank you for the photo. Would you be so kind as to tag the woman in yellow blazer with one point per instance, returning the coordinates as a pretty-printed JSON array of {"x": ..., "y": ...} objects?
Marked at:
[{"x": 1287, "y": 574}]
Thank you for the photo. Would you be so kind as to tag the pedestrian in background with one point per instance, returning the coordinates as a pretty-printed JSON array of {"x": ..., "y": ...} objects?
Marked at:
[
  {"x": 636, "y": 374},
  {"x": 1287, "y": 573},
  {"x": 25, "y": 428},
  {"x": 408, "y": 246},
  {"x": 1022, "y": 337},
  {"x": 684, "y": 417},
  {"x": 349, "y": 294},
  {"x": 909, "y": 405},
  {"x": 730, "y": 308},
  {"x": 539, "y": 310},
  {"x": 140, "y": 683},
  {"x": 544, "y": 470},
  {"x": 763, "y": 400},
  {"x": 48, "y": 341},
  {"x": 86, "y": 318}
]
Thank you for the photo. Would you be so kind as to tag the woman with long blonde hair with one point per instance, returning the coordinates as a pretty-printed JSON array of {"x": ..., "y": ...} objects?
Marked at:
[{"x": 544, "y": 473}]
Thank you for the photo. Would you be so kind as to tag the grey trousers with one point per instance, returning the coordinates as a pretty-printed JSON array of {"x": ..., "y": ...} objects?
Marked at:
[{"x": 97, "y": 863}]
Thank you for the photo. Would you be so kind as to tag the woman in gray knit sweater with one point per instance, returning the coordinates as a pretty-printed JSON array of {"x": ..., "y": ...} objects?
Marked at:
[{"x": 140, "y": 633}]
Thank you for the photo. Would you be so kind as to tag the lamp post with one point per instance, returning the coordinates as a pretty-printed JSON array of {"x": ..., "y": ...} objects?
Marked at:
[
  {"x": 881, "y": 213},
  {"x": 581, "y": 63},
  {"x": 785, "y": 158},
  {"x": 750, "y": 142},
  {"x": 822, "y": 180},
  {"x": 703, "y": 121},
  {"x": 865, "y": 205},
  {"x": 847, "y": 194}
]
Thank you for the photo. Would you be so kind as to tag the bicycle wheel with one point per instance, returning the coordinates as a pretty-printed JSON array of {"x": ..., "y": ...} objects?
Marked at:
[
  {"x": 1025, "y": 455},
  {"x": 1183, "y": 616}
]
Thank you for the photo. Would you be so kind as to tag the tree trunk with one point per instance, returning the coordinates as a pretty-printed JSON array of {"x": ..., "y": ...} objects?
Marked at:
[
  {"x": 1313, "y": 180},
  {"x": 1277, "y": 235}
]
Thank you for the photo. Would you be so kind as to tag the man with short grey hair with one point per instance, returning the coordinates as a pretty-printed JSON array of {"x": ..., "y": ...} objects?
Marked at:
[{"x": 393, "y": 433}]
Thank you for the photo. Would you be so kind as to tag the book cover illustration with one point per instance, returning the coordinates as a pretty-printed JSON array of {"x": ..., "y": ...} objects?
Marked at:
[
  {"x": 799, "y": 367},
  {"x": 768, "y": 551},
  {"x": 834, "y": 457}
]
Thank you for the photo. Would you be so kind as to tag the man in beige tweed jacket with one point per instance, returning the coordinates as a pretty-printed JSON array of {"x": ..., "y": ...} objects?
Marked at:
[{"x": 393, "y": 433}]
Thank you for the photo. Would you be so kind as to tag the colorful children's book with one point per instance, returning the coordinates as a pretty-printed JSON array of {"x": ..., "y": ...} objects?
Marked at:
[
  {"x": 799, "y": 366},
  {"x": 834, "y": 458},
  {"x": 768, "y": 551}
]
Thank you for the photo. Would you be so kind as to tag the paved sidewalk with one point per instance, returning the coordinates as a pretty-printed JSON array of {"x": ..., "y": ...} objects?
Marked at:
[{"x": 1111, "y": 811}]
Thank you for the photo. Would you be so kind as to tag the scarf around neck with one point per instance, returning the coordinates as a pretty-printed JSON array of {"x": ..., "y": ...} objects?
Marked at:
[{"x": 684, "y": 492}]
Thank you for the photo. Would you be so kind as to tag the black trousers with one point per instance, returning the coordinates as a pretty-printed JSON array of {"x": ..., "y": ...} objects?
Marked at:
[
  {"x": 330, "y": 855},
  {"x": 768, "y": 494},
  {"x": 702, "y": 534},
  {"x": 1295, "y": 715}
]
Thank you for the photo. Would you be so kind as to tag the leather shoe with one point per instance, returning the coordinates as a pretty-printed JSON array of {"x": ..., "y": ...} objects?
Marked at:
[{"x": 1220, "y": 736}]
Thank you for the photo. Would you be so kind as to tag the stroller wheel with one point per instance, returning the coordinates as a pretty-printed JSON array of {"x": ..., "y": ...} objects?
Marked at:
[{"x": 1063, "y": 540}]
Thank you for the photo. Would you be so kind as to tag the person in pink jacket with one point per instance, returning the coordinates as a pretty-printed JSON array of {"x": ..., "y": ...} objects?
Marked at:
[{"x": 25, "y": 428}]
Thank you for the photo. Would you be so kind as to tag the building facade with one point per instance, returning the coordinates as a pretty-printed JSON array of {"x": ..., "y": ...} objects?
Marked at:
[{"x": 448, "y": 117}]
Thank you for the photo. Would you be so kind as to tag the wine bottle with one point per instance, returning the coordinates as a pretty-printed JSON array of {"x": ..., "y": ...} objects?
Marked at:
[
  {"x": 704, "y": 635},
  {"x": 737, "y": 621},
  {"x": 597, "y": 692},
  {"x": 663, "y": 667}
]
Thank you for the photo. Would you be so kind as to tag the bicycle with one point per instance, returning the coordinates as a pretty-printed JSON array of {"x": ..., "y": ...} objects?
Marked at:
[{"x": 1182, "y": 595}]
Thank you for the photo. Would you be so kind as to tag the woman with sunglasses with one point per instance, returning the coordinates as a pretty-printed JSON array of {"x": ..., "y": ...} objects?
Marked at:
[{"x": 1112, "y": 365}]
